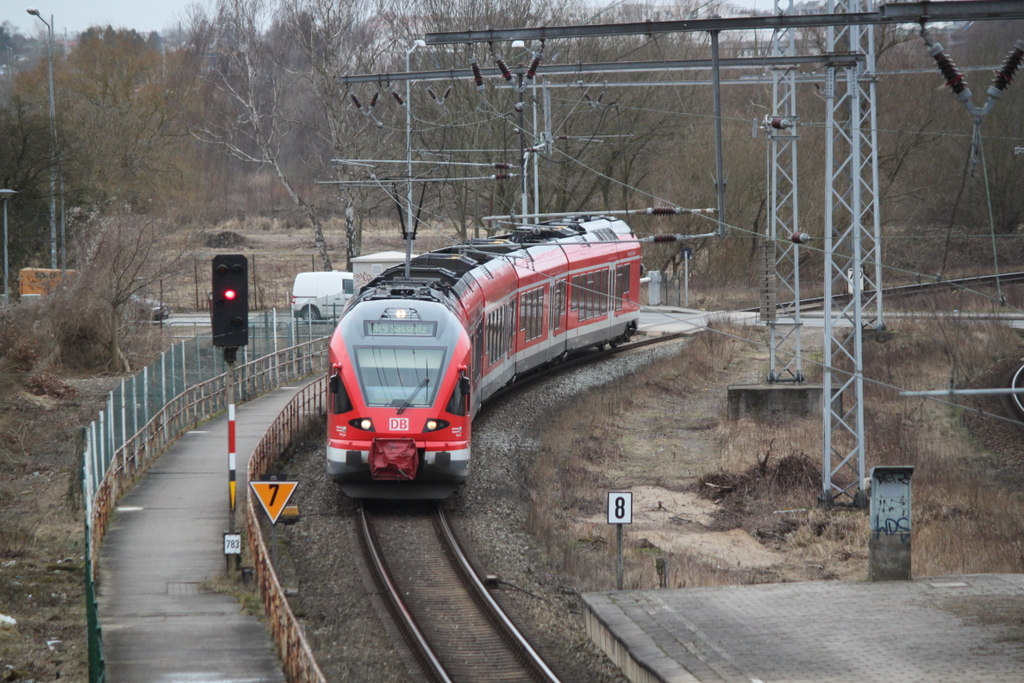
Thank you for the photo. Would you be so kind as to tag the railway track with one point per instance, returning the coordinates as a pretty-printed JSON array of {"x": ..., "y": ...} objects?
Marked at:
[
  {"x": 813, "y": 303},
  {"x": 458, "y": 632}
]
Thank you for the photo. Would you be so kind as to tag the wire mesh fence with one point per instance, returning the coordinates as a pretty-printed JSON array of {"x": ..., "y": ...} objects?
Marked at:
[{"x": 186, "y": 385}]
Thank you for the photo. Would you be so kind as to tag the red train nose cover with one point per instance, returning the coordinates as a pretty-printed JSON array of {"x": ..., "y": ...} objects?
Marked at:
[{"x": 393, "y": 459}]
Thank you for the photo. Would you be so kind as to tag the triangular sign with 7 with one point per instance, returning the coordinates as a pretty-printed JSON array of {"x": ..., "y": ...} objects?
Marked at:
[{"x": 273, "y": 496}]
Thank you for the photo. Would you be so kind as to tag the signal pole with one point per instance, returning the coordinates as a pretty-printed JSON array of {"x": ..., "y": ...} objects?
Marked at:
[{"x": 229, "y": 322}]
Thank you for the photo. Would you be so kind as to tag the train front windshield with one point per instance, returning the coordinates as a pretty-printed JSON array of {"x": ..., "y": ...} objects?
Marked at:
[{"x": 399, "y": 376}]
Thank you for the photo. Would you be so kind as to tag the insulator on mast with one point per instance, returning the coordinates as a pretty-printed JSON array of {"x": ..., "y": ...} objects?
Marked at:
[
  {"x": 954, "y": 79},
  {"x": 531, "y": 71},
  {"x": 505, "y": 73},
  {"x": 1005, "y": 73},
  {"x": 373, "y": 100},
  {"x": 501, "y": 176},
  {"x": 447, "y": 92},
  {"x": 800, "y": 238},
  {"x": 477, "y": 76},
  {"x": 398, "y": 98},
  {"x": 502, "y": 166},
  {"x": 662, "y": 210},
  {"x": 355, "y": 100},
  {"x": 433, "y": 95}
]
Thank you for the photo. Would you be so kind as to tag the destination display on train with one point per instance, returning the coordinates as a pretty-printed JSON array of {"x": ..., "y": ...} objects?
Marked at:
[{"x": 400, "y": 328}]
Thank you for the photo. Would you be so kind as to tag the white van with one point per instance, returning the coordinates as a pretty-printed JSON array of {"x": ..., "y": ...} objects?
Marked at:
[{"x": 321, "y": 294}]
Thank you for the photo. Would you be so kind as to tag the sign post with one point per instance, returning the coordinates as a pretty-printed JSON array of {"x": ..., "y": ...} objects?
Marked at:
[
  {"x": 687, "y": 254},
  {"x": 273, "y": 496},
  {"x": 620, "y": 511},
  {"x": 232, "y": 546}
]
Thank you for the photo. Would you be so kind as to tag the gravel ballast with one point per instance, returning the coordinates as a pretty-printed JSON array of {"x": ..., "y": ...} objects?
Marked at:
[{"x": 336, "y": 600}]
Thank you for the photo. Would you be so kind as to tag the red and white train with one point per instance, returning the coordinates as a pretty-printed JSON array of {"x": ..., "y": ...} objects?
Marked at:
[{"x": 412, "y": 359}]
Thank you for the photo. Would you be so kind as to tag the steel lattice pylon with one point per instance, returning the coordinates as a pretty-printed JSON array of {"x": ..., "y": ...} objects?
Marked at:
[
  {"x": 852, "y": 250},
  {"x": 783, "y": 254}
]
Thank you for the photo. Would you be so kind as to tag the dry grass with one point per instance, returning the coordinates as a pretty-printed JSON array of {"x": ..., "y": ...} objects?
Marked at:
[
  {"x": 765, "y": 478},
  {"x": 16, "y": 534}
]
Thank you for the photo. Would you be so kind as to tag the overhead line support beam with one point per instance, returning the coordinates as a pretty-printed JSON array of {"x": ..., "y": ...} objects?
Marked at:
[
  {"x": 901, "y": 13},
  {"x": 607, "y": 67}
]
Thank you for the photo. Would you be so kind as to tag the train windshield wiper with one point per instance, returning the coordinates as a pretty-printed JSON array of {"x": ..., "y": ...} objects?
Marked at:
[{"x": 408, "y": 401}]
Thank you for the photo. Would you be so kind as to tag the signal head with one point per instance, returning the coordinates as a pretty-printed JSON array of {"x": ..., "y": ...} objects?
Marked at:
[{"x": 229, "y": 309}]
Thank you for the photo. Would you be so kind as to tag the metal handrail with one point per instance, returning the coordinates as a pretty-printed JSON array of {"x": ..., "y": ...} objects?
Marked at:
[
  {"x": 296, "y": 654},
  {"x": 183, "y": 412}
]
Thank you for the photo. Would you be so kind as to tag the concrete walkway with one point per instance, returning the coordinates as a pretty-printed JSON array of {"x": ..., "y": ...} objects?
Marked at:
[
  {"x": 951, "y": 629},
  {"x": 164, "y": 540}
]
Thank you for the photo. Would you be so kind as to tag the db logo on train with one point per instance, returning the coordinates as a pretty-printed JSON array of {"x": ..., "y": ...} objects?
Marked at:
[{"x": 398, "y": 424}]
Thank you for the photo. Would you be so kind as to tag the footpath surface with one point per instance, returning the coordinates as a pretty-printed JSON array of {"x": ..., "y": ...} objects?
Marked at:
[
  {"x": 164, "y": 541},
  {"x": 961, "y": 628}
]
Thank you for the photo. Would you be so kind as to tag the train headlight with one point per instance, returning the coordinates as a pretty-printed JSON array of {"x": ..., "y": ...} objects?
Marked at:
[
  {"x": 434, "y": 425},
  {"x": 364, "y": 423}
]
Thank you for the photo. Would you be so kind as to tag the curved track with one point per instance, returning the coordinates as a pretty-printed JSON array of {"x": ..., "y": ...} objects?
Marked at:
[{"x": 457, "y": 630}]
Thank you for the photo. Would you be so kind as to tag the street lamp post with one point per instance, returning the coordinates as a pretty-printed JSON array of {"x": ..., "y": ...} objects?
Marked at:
[
  {"x": 53, "y": 136},
  {"x": 6, "y": 196}
]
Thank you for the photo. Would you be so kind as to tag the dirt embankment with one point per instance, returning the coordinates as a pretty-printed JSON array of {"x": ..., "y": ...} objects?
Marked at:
[{"x": 41, "y": 526}]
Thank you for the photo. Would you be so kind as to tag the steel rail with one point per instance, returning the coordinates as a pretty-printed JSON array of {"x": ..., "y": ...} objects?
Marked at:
[
  {"x": 454, "y": 581},
  {"x": 509, "y": 631},
  {"x": 915, "y": 288},
  {"x": 396, "y": 605}
]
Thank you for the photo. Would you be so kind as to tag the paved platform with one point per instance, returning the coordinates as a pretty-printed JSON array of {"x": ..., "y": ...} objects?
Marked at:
[
  {"x": 960, "y": 628},
  {"x": 164, "y": 540}
]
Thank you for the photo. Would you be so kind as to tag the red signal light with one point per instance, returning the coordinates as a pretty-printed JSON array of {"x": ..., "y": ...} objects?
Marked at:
[{"x": 230, "y": 294}]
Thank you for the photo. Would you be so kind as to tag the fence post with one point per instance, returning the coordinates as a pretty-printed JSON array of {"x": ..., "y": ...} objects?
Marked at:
[{"x": 145, "y": 395}]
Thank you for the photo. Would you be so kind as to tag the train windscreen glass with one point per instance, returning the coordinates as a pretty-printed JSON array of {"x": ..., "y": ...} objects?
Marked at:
[{"x": 397, "y": 376}]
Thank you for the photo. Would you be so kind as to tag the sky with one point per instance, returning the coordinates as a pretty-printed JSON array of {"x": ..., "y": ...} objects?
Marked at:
[
  {"x": 77, "y": 15},
  {"x": 144, "y": 16}
]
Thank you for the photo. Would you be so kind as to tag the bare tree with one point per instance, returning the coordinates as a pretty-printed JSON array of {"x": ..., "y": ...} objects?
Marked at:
[
  {"x": 334, "y": 39},
  {"x": 249, "y": 79},
  {"x": 124, "y": 255}
]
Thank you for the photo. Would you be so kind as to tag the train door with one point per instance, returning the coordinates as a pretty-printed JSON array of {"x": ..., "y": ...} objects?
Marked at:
[
  {"x": 622, "y": 289},
  {"x": 557, "y": 322}
]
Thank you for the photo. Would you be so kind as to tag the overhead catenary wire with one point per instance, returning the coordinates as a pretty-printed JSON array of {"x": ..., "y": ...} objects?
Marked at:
[{"x": 506, "y": 117}]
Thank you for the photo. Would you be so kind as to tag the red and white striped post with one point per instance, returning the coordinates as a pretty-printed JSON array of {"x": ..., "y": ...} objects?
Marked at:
[{"x": 229, "y": 358}]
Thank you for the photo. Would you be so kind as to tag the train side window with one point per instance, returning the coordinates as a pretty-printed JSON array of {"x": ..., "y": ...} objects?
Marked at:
[
  {"x": 457, "y": 404},
  {"x": 531, "y": 311},
  {"x": 478, "y": 349},
  {"x": 602, "y": 291},
  {"x": 510, "y": 326},
  {"x": 341, "y": 403},
  {"x": 574, "y": 302},
  {"x": 494, "y": 332},
  {"x": 591, "y": 296}
]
